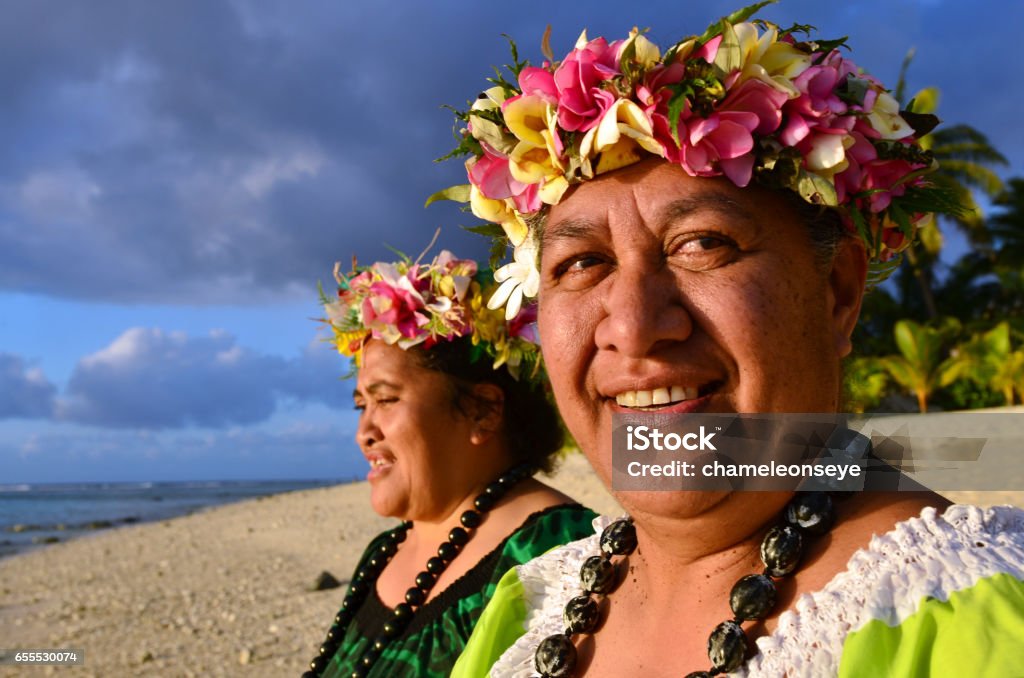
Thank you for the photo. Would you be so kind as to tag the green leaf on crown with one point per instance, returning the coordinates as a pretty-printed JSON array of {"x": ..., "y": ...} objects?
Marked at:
[{"x": 458, "y": 193}]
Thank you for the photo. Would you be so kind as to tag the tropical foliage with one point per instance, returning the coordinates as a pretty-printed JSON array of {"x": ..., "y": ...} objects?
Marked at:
[{"x": 950, "y": 335}]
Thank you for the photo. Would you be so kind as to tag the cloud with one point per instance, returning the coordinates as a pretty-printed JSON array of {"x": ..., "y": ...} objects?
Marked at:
[
  {"x": 219, "y": 151},
  {"x": 317, "y": 449},
  {"x": 214, "y": 152},
  {"x": 149, "y": 378},
  {"x": 25, "y": 391}
]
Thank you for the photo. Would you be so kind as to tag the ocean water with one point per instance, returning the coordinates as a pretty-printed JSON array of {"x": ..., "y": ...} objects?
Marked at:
[{"x": 33, "y": 515}]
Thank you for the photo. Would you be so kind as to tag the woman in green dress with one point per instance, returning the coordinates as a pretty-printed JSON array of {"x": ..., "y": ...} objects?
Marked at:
[{"x": 454, "y": 420}]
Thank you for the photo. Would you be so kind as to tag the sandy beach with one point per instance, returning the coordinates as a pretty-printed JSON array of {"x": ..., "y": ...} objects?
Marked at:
[{"x": 224, "y": 592}]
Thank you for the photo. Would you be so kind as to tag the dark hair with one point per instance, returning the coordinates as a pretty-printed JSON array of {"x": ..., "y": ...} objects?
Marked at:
[
  {"x": 531, "y": 428},
  {"x": 824, "y": 226}
]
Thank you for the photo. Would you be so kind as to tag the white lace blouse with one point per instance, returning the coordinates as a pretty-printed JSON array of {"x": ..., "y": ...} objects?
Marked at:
[{"x": 926, "y": 558}]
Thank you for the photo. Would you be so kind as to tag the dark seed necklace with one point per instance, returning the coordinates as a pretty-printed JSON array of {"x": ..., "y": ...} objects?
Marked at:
[
  {"x": 365, "y": 580},
  {"x": 752, "y": 598}
]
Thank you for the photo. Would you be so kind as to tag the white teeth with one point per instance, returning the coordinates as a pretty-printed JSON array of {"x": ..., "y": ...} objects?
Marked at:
[{"x": 658, "y": 396}]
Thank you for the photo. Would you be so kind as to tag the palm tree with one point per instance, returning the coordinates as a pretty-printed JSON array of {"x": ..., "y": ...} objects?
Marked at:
[
  {"x": 966, "y": 162},
  {"x": 986, "y": 359},
  {"x": 1007, "y": 226},
  {"x": 920, "y": 367},
  {"x": 986, "y": 286},
  {"x": 865, "y": 381}
]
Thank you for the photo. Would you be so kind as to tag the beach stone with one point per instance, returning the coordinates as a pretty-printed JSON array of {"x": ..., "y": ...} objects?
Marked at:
[
  {"x": 325, "y": 581},
  {"x": 146, "y": 657},
  {"x": 245, "y": 656}
]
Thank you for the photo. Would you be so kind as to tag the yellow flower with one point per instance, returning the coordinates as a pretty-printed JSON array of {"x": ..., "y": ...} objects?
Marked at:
[
  {"x": 499, "y": 212},
  {"x": 886, "y": 120},
  {"x": 527, "y": 118},
  {"x": 765, "y": 58},
  {"x": 552, "y": 190},
  {"x": 485, "y": 130},
  {"x": 536, "y": 158},
  {"x": 618, "y": 139},
  {"x": 645, "y": 53}
]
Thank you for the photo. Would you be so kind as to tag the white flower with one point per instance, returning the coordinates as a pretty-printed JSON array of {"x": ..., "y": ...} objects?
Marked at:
[{"x": 518, "y": 279}]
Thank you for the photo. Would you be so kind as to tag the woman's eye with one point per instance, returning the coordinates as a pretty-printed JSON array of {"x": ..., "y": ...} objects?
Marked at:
[
  {"x": 703, "y": 243},
  {"x": 705, "y": 251},
  {"x": 577, "y": 265}
]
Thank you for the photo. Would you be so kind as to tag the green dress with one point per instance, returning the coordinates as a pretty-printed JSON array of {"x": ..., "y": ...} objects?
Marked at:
[{"x": 438, "y": 632}]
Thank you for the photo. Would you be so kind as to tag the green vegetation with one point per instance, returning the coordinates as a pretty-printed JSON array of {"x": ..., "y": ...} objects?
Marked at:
[{"x": 955, "y": 340}]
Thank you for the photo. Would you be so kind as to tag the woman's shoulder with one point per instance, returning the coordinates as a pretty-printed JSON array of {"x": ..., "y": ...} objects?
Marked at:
[
  {"x": 541, "y": 587},
  {"x": 970, "y": 555},
  {"x": 554, "y": 525},
  {"x": 930, "y": 556},
  {"x": 541, "y": 532},
  {"x": 937, "y": 588}
]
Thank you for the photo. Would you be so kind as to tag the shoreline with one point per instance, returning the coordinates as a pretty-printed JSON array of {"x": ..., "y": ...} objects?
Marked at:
[
  {"x": 63, "y": 512},
  {"x": 224, "y": 591},
  {"x": 221, "y": 592}
]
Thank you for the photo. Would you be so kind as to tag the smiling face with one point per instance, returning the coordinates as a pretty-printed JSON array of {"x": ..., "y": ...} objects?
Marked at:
[
  {"x": 688, "y": 294},
  {"x": 416, "y": 442}
]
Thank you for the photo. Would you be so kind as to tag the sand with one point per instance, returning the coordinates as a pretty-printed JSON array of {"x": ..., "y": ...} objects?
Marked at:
[{"x": 224, "y": 592}]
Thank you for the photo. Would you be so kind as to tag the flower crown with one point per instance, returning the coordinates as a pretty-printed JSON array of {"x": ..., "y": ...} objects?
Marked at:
[
  {"x": 406, "y": 303},
  {"x": 745, "y": 100}
]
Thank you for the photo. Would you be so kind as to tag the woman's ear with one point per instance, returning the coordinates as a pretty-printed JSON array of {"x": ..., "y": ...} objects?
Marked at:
[
  {"x": 846, "y": 291},
  {"x": 487, "y": 412}
]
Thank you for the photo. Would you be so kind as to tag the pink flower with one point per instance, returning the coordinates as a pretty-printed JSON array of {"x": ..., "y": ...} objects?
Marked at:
[
  {"x": 709, "y": 50},
  {"x": 579, "y": 78},
  {"x": 720, "y": 144},
  {"x": 759, "y": 98},
  {"x": 449, "y": 265},
  {"x": 490, "y": 174},
  {"x": 392, "y": 308},
  {"x": 818, "y": 104},
  {"x": 535, "y": 81},
  {"x": 524, "y": 325},
  {"x": 883, "y": 175},
  {"x": 859, "y": 154}
]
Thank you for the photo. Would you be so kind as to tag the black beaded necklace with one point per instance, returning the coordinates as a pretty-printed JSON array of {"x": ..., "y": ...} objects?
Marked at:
[
  {"x": 751, "y": 598},
  {"x": 365, "y": 579}
]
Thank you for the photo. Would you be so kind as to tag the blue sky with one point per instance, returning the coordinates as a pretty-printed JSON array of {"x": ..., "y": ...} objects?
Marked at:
[{"x": 177, "y": 177}]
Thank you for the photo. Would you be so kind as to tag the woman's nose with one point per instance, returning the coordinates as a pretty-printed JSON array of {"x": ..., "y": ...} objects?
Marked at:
[
  {"x": 367, "y": 432},
  {"x": 644, "y": 310}
]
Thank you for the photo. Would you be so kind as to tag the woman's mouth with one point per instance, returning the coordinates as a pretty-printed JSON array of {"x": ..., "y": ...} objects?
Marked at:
[
  {"x": 379, "y": 465},
  {"x": 665, "y": 398}
]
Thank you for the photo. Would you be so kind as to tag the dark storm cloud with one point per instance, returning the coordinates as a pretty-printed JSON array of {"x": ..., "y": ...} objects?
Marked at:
[
  {"x": 213, "y": 151},
  {"x": 151, "y": 379},
  {"x": 25, "y": 392}
]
